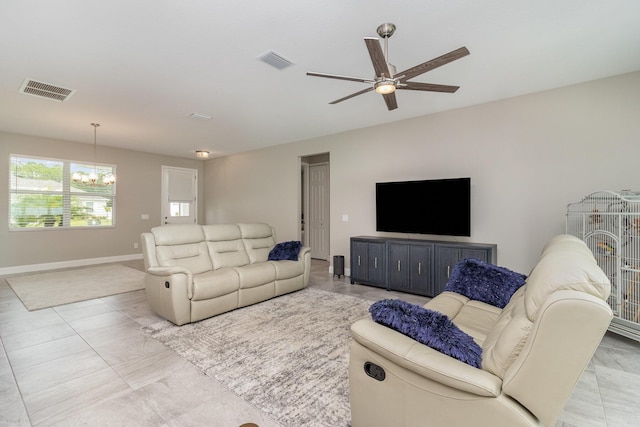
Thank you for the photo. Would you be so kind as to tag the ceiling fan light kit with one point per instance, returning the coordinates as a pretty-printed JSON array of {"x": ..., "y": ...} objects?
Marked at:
[
  {"x": 385, "y": 87},
  {"x": 387, "y": 80}
]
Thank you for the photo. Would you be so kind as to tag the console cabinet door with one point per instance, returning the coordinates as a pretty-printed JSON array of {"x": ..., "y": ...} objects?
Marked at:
[
  {"x": 399, "y": 267},
  {"x": 368, "y": 262},
  {"x": 359, "y": 261},
  {"x": 448, "y": 256},
  {"x": 377, "y": 264},
  {"x": 411, "y": 267},
  {"x": 421, "y": 270}
]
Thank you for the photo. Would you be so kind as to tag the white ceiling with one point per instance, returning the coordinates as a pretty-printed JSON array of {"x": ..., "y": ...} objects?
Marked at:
[{"x": 140, "y": 67}]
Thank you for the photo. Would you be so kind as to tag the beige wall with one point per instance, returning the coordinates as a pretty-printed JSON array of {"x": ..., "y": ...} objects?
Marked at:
[
  {"x": 138, "y": 192},
  {"x": 528, "y": 157}
]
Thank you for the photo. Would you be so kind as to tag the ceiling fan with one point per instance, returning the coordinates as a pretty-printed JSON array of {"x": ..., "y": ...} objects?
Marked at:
[{"x": 387, "y": 80}]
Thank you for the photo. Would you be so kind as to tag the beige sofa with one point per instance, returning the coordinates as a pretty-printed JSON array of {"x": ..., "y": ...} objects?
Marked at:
[
  {"x": 533, "y": 352},
  {"x": 197, "y": 271}
]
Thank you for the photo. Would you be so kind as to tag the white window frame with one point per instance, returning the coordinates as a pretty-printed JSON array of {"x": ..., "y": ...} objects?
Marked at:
[{"x": 71, "y": 211}]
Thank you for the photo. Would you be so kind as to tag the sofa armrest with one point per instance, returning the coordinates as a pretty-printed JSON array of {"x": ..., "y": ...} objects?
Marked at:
[
  {"x": 424, "y": 360},
  {"x": 167, "y": 272},
  {"x": 303, "y": 251},
  {"x": 305, "y": 256}
]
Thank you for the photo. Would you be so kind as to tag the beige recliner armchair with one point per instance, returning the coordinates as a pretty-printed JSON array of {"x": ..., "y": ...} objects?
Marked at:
[{"x": 533, "y": 352}]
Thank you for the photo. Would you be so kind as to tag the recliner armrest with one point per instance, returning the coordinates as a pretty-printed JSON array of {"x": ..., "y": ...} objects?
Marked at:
[
  {"x": 167, "y": 271},
  {"x": 303, "y": 250},
  {"x": 423, "y": 360},
  {"x": 170, "y": 271}
]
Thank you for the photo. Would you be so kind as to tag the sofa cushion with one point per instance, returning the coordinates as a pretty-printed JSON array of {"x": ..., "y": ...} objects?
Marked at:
[
  {"x": 258, "y": 274},
  {"x": 225, "y": 245},
  {"x": 258, "y": 240},
  {"x": 484, "y": 282},
  {"x": 192, "y": 256},
  {"x": 285, "y": 251},
  {"x": 566, "y": 263},
  {"x": 221, "y": 232},
  {"x": 428, "y": 327},
  {"x": 505, "y": 341},
  {"x": 288, "y": 269},
  {"x": 177, "y": 234},
  {"x": 215, "y": 283}
]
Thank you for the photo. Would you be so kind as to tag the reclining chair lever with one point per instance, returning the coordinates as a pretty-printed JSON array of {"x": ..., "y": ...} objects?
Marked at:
[{"x": 374, "y": 371}]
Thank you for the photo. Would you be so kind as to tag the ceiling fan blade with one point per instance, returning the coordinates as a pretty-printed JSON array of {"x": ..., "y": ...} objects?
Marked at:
[
  {"x": 429, "y": 87},
  {"x": 390, "y": 99},
  {"x": 336, "y": 76},
  {"x": 369, "y": 89},
  {"x": 432, "y": 64},
  {"x": 377, "y": 57}
]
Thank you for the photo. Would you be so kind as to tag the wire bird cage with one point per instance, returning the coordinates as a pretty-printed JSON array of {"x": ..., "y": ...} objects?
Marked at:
[{"x": 609, "y": 223}]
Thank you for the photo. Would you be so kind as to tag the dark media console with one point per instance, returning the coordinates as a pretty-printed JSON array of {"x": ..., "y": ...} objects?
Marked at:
[{"x": 414, "y": 266}]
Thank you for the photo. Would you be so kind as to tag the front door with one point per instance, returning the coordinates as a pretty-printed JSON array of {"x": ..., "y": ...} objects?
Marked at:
[{"x": 179, "y": 190}]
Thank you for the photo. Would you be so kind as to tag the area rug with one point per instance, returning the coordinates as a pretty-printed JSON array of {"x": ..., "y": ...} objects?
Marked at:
[
  {"x": 287, "y": 356},
  {"x": 56, "y": 288}
]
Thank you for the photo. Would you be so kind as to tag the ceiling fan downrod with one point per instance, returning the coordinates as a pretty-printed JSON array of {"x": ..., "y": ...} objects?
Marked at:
[{"x": 385, "y": 31}]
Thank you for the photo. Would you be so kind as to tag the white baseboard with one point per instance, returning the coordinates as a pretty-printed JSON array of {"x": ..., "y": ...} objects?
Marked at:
[{"x": 66, "y": 264}]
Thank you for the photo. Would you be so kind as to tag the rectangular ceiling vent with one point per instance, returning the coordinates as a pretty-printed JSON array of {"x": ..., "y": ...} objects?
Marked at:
[
  {"x": 275, "y": 60},
  {"x": 45, "y": 90}
]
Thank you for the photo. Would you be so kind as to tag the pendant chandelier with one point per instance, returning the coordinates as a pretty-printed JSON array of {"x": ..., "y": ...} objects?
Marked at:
[{"x": 92, "y": 178}]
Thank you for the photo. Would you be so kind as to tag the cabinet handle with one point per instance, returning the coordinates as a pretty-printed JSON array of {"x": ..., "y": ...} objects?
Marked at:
[
  {"x": 358, "y": 259},
  {"x": 398, "y": 265},
  {"x": 448, "y": 271},
  {"x": 419, "y": 268},
  {"x": 375, "y": 262}
]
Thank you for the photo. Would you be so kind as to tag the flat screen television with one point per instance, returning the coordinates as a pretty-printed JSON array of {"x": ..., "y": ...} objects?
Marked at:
[{"x": 438, "y": 206}]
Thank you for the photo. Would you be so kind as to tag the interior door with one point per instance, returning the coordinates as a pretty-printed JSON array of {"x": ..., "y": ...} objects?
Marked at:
[
  {"x": 319, "y": 210},
  {"x": 179, "y": 191}
]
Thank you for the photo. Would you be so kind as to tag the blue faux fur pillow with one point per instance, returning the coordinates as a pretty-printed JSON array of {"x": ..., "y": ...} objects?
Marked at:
[
  {"x": 285, "y": 251},
  {"x": 481, "y": 281},
  {"x": 428, "y": 327}
]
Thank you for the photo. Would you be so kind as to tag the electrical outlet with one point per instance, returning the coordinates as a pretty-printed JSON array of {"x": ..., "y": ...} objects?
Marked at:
[{"x": 135, "y": 245}]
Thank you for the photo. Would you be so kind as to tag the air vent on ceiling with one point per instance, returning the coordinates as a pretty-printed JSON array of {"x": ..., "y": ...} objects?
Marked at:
[
  {"x": 45, "y": 90},
  {"x": 275, "y": 60}
]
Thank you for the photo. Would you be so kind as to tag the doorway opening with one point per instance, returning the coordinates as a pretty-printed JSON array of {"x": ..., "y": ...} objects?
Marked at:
[{"x": 314, "y": 208}]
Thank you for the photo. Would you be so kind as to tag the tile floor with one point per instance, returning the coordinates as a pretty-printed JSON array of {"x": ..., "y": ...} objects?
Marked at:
[{"x": 89, "y": 363}]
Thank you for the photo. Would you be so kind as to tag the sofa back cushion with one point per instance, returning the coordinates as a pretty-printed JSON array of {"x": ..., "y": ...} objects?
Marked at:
[
  {"x": 225, "y": 245},
  {"x": 182, "y": 246},
  {"x": 505, "y": 341},
  {"x": 259, "y": 239},
  {"x": 566, "y": 263}
]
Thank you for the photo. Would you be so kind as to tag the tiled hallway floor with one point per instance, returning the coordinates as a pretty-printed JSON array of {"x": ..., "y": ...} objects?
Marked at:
[{"x": 89, "y": 363}]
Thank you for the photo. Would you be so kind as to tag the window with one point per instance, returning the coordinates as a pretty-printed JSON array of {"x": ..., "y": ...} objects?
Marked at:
[
  {"x": 179, "y": 208},
  {"x": 43, "y": 194}
]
